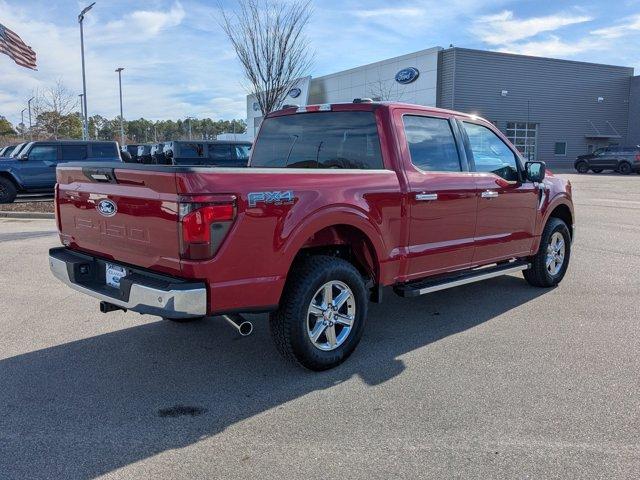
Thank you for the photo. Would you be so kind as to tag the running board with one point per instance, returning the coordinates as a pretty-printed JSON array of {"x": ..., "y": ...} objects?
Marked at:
[{"x": 433, "y": 285}]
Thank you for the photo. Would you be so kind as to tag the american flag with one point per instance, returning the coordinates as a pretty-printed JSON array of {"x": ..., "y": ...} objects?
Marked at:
[{"x": 13, "y": 46}]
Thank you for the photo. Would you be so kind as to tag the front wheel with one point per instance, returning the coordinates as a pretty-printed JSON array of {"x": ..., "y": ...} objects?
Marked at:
[
  {"x": 322, "y": 313},
  {"x": 582, "y": 167},
  {"x": 8, "y": 191},
  {"x": 550, "y": 264}
]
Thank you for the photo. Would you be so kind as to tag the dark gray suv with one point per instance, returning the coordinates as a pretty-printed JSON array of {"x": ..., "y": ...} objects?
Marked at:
[{"x": 625, "y": 160}]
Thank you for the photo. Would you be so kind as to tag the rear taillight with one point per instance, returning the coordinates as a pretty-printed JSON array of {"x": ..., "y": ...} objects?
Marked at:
[
  {"x": 637, "y": 157},
  {"x": 56, "y": 206},
  {"x": 203, "y": 227}
]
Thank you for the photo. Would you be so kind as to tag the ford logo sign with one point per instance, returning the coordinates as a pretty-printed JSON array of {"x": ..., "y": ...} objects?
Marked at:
[
  {"x": 107, "y": 208},
  {"x": 407, "y": 75},
  {"x": 295, "y": 92}
]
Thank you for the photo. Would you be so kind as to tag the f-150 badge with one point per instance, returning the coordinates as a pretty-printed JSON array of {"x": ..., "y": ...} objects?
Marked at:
[{"x": 275, "y": 198}]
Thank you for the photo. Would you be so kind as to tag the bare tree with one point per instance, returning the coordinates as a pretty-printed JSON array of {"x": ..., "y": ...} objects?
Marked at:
[
  {"x": 381, "y": 91},
  {"x": 54, "y": 108},
  {"x": 268, "y": 37}
]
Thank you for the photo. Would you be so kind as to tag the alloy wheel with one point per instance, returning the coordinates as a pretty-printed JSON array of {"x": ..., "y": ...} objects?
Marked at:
[
  {"x": 331, "y": 315},
  {"x": 555, "y": 253}
]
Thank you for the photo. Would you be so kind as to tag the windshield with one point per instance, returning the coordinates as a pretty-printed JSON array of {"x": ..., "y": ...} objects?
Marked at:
[{"x": 319, "y": 140}]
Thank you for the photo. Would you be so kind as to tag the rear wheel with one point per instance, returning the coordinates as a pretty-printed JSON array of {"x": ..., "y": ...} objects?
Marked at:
[
  {"x": 550, "y": 264},
  {"x": 582, "y": 167},
  {"x": 625, "y": 168},
  {"x": 596, "y": 170},
  {"x": 322, "y": 313},
  {"x": 8, "y": 190}
]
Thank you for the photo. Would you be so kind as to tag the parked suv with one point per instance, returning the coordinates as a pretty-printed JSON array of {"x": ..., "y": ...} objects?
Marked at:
[
  {"x": 33, "y": 169},
  {"x": 620, "y": 159},
  {"x": 6, "y": 151},
  {"x": 157, "y": 153},
  {"x": 345, "y": 199},
  {"x": 132, "y": 150},
  {"x": 216, "y": 153}
]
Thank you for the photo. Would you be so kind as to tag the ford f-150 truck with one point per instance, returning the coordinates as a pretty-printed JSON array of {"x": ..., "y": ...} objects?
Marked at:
[{"x": 339, "y": 201}]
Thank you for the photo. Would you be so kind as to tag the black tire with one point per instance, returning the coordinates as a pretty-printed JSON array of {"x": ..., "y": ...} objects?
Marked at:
[
  {"x": 596, "y": 170},
  {"x": 184, "y": 320},
  {"x": 538, "y": 275},
  {"x": 289, "y": 323},
  {"x": 8, "y": 190},
  {"x": 582, "y": 167},
  {"x": 625, "y": 168}
]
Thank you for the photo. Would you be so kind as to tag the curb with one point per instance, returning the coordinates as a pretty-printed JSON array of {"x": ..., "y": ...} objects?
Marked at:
[{"x": 31, "y": 215}]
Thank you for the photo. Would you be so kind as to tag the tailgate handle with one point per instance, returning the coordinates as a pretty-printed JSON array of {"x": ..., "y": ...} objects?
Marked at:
[{"x": 100, "y": 174}]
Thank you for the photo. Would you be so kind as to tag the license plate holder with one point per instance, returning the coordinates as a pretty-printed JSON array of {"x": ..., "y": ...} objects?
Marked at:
[{"x": 113, "y": 274}]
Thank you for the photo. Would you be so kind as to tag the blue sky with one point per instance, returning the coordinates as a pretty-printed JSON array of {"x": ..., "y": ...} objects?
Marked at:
[{"x": 178, "y": 63}]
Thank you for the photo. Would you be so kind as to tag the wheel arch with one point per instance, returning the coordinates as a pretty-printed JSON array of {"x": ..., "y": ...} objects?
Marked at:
[{"x": 345, "y": 234}]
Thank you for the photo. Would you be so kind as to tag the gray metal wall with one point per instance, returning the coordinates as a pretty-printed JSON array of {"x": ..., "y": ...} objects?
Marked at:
[
  {"x": 562, "y": 96},
  {"x": 634, "y": 112}
]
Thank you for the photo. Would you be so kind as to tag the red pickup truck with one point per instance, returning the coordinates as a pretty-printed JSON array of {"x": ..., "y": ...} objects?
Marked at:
[{"x": 339, "y": 201}]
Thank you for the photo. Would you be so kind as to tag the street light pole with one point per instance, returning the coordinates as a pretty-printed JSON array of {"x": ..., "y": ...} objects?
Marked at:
[
  {"x": 119, "y": 70},
  {"x": 22, "y": 121},
  {"x": 30, "y": 131},
  {"x": 84, "y": 78},
  {"x": 82, "y": 116}
]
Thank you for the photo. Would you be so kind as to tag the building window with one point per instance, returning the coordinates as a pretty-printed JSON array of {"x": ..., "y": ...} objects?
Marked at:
[
  {"x": 523, "y": 135},
  {"x": 560, "y": 149}
]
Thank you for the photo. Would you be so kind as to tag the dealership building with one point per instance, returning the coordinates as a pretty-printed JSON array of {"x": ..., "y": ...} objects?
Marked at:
[{"x": 552, "y": 110}]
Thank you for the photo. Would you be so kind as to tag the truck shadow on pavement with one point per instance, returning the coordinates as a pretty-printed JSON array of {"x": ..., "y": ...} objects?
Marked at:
[{"x": 86, "y": 408}]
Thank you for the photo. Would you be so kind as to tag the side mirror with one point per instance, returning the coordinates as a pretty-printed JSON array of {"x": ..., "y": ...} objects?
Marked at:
[
  {"x": 23, "y": 157},
  {"x": 535, "y": 171}
]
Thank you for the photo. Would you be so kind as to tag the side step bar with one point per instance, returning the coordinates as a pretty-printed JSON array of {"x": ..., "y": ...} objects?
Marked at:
[{"x": 433, "y": 285}]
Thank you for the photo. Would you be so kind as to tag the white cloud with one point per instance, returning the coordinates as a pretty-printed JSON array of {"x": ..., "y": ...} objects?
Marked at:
[
  {"x": 553, "y": 47},
  {"x": 503, "y": 28},
  {"x": 616, "y": 31},
  {"x": 411, "y": 12},
  {"x": 146, "y": 24}
]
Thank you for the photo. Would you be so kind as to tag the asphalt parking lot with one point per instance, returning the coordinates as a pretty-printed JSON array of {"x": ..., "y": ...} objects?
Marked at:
[{"x": 497, "y": 379}]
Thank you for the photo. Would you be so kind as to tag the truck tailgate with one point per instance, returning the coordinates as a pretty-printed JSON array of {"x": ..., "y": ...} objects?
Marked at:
[{"x": 143, "y": 230}]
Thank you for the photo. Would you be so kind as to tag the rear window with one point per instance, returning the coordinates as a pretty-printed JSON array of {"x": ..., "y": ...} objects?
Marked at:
[
  {"x": 319, "y": 140},
  {"x": 104, "y": 150}
]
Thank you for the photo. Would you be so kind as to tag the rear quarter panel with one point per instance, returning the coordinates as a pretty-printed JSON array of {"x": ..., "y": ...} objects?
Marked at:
[{"x": 250, "y": 269}]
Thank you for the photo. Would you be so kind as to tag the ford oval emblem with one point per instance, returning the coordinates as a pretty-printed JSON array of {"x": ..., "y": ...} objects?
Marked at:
[
  {"x": 407, "y": 75},
  {"x": 107, "y": 208},
  {"x": 295, "y": 92}
]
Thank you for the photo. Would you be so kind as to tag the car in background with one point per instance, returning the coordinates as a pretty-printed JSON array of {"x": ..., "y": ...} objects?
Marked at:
[
  {"x": 16, "y": 151},
  {"x": 624, "y": 160},
  {"x": 6, "y": 151},
  {"x": 157, "y": 153},
  {"x": 144, "y": 154},
  {"x": 132, "y": 150},
  {"x": 214, "y": 153},
  {"x": 33, "y": 169}
]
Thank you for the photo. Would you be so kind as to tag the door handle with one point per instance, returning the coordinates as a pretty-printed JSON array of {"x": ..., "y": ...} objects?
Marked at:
[
  {"x": 426, "y": 197},
  {"x": 489, "y": 194}
]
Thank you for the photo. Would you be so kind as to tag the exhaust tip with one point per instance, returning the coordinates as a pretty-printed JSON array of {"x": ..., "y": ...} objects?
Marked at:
[{"x": 245, "y": 329}]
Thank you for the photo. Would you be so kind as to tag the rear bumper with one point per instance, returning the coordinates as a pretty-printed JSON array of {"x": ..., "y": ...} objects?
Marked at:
[{"x": 140, "y": 290}]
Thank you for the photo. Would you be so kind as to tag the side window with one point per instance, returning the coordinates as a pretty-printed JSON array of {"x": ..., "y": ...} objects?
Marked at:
[
  {"x": 490, "y": 153},
  {"x": 73, "y": 153},
  {"x": 431, "y": 144},
  {"x": 220, "y": 152},
  {"x": 242, "y": 151},
  {"x": 46, "y": 153},
  {"x": 103, "y": 150},
  {"x": 191, "y": 150}
]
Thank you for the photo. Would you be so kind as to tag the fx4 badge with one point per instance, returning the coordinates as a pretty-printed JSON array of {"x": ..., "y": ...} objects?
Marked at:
[{"x": 275, "y": 198}]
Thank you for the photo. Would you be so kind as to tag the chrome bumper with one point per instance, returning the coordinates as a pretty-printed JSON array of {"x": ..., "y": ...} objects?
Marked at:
[{"x": 167, "y": 297}]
